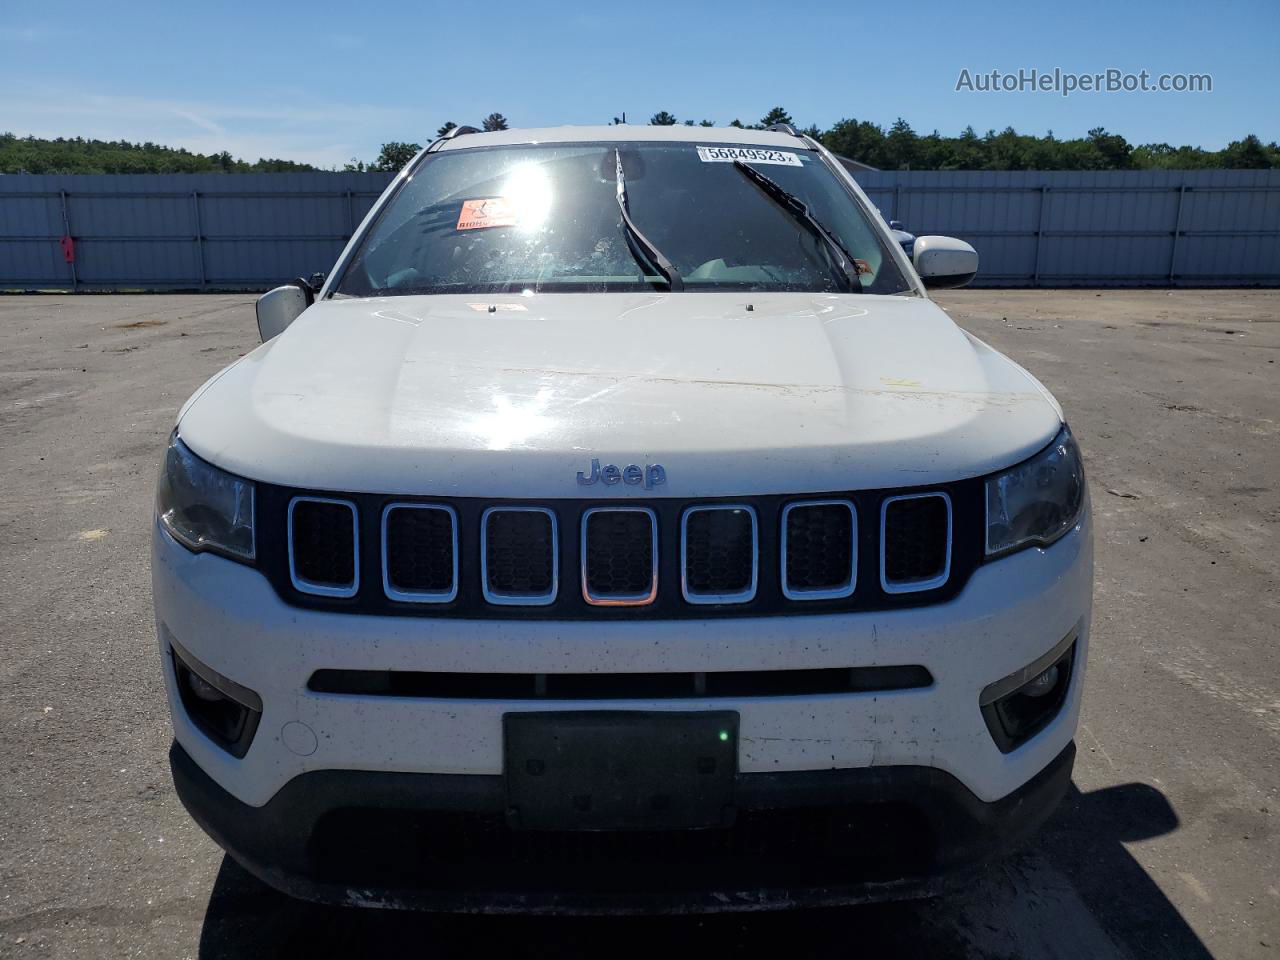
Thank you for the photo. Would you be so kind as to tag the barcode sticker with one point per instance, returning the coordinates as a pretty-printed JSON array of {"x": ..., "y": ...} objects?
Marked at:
[{"x": 748, "y": 155}]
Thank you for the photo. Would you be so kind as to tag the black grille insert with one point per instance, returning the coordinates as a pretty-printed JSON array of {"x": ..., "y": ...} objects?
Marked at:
[
  {"x": 420, "y": 553},
  {"x": 519, "y": 555},
  {"x": 916, "y": 542},
  {"x": 323, "y": 546},
  {"x": 619, "y": 686},
  {"x": 618, "y": 555},
  {"x": 820, "y": 547},
  {"x": 719, "y": 554}
]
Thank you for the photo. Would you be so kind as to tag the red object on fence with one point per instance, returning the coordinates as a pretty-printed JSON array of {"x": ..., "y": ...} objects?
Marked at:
[{"x": 68, "y": 250}]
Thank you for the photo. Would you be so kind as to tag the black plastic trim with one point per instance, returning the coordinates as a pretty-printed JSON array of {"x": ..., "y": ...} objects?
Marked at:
[
  {"x": 275, "y": 842},
  {"x": 620, "y": 686}
]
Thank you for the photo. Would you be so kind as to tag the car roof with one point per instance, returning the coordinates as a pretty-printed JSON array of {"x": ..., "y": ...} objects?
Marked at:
[{"x": 625, "y": 131}]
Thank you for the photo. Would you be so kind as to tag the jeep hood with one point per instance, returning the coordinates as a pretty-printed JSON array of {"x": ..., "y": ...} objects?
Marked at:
[{"x": 512, "y": 396}]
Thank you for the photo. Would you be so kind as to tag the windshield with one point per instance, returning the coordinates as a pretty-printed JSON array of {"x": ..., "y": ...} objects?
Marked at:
[{"x": 546, "y": 217}]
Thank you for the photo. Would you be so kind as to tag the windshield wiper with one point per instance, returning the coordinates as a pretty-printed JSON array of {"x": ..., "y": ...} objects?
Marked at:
[
  {"x": 637, "y": 242},
  {"x": 799, "y": 210}
]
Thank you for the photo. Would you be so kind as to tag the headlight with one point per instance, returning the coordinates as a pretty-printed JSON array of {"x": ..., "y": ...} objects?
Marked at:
[
  {"x": 203, "y": 507},
  {"x": 1036, "y": 501}
]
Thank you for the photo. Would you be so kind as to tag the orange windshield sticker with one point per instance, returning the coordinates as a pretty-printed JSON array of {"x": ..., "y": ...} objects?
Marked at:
[
  {"x": 486, "y": 212},
  {"x": 861, "y": 266}
]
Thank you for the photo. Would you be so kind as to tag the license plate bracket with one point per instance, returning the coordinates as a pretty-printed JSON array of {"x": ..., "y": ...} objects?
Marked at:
[{"x": 620, "y": 770}]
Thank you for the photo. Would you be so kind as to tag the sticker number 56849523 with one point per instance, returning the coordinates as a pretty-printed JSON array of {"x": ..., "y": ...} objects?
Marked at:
[{"x": 748, "y": 155}]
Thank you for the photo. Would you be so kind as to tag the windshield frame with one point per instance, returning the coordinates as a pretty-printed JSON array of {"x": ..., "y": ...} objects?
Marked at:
[{"x": 889, "y": 248}]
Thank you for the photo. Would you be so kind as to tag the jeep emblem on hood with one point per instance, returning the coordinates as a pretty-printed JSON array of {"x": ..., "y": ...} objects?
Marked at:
[{"x": 651, "y": 475}]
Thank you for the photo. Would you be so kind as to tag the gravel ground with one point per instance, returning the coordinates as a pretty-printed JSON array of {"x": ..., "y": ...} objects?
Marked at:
[{"x": 1168, "y": 846}]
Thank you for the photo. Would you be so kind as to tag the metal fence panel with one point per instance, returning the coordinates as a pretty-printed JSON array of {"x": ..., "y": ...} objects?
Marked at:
[
  {"x": 1031, "y": 228},
  {"x": 1097, "y": 228},
  {"x": 176, "y": 231}
]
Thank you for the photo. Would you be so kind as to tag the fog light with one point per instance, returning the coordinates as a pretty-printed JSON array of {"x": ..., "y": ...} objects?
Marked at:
[
  {"x": 203, "y": 689},
  {"x": 1043, "y": 684},
  {"x": 227, "y": 713},
  {"x": 1017, "y": 708}
]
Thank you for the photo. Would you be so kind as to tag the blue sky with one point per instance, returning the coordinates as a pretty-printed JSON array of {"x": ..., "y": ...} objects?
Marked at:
[{"x": 324, "y": 82}]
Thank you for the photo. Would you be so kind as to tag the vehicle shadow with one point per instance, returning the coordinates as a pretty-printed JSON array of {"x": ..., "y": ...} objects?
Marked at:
[{"x": 1076, "y": 892}]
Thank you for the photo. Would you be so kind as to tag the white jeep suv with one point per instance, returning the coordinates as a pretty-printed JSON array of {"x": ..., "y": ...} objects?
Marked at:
[{"x": 621, "y": 527}]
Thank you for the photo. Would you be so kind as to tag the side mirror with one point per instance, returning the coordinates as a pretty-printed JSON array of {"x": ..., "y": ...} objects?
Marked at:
[
  {"x": 944, "y": 261},
  {"x": 896, "y": 225},
  {"x": 280, "y": 307}
]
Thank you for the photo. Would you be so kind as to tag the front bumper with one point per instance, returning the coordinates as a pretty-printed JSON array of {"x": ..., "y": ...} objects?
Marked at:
[
  {"x": 1010, "y": 613},
  {"x": 433, "y": 841},
  {"x": 917, "y": 769}
]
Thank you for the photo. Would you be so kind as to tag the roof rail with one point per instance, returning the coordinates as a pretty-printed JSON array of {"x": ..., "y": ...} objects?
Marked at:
[
  {"x": 783, "y": 128},
  {"x": 458, "y": 132},
  {"x": 449, "y": 135}
]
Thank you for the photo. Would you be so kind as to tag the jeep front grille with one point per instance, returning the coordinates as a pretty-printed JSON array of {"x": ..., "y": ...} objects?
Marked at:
[
  {"x": 665, "y": 558},
  {"x": 323, "y": 539},
  {"x": 819, "y": 549},
  {"x": 718, "y": 554},
  {"x": 619, "y": 556},
  {"x": 915, "y": 542},
  {"x": 519, "y": 556},
  {"x": 420, "y": 552}
]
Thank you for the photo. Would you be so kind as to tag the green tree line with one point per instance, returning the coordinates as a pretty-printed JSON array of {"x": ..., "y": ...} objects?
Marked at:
[
  {"x": 899, "y": 147},
  {"x": 79, "y": 155},
  {"x": 896, "y": 147}
]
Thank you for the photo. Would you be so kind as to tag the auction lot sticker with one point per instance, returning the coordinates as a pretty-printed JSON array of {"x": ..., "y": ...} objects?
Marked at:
[
  {"x": 748, "y": 155},
  {"x": 486, "y": 212}
]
